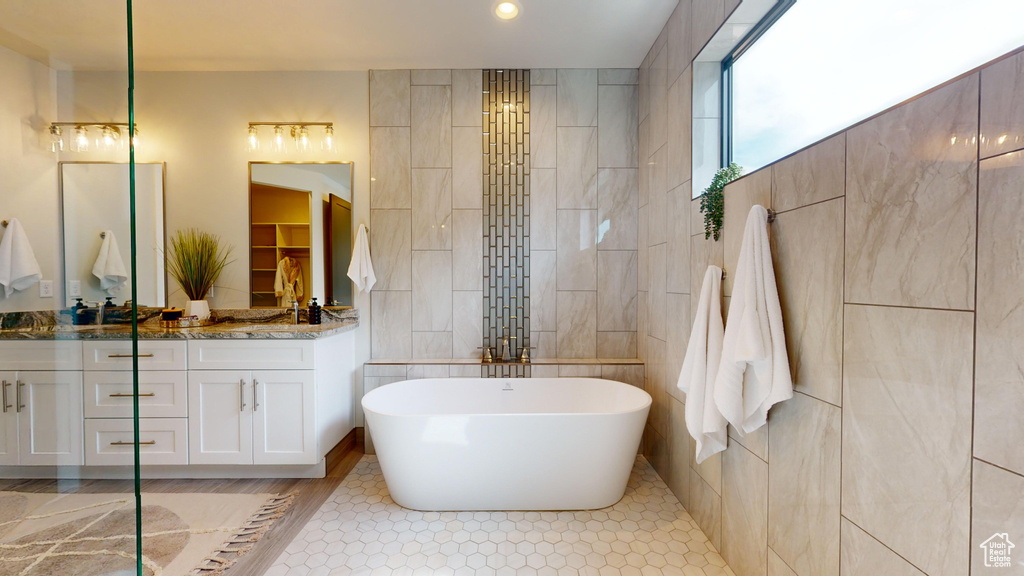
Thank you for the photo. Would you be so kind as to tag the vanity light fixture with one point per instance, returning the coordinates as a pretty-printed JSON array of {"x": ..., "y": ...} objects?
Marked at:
[
  {"x": 83, "y": 136},
  {"x": 506, "y": 10},
  {"x": 300, "y": 135}
]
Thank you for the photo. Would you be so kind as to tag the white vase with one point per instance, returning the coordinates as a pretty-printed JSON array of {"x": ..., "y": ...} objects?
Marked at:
[{"x": 199, "y": 308}]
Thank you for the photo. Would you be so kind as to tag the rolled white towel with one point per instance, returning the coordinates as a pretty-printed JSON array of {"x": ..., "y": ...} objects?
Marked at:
[
  {"x": 360, "y": 268},
  {"x": 19, "y": 268},
  {"x": 109, "y": 266}
]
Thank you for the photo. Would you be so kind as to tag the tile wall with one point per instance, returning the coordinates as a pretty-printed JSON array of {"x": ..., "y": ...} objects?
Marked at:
[
  {"x": 898, "y": 258},
  {"x": 426, "y": 213}
]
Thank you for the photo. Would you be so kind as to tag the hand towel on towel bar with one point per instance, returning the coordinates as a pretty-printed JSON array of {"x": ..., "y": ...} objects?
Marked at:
[
  {"x": 19, "y": 268},
  {"x": 754, "y": 373},
  {"x": 360, "y": 269},
  {"x": 109, "y": 267},
  {"x": 697, "y": 378}
]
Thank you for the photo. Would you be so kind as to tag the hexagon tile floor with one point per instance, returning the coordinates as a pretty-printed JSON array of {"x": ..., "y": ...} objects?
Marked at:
[{"x": 361, "y": 531}]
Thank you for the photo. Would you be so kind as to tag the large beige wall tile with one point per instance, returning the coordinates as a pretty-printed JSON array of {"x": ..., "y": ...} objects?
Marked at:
[
  {"x": 577, "y": 168},
  {"x": 426, "y": 77},
  {"x": 678, "y": 42},
  {"x": 431, "y": 290},
  {"x": 911, "y": 197},
  {"x": 707, "y": 16},
  {"x": 998, "y": 509},
  {"x": 1002, "y": 109},
  {"x": 467, "y": 168},
  {"x": 616, "y": 209},
  {"x": 740, "y": 196},
  {"x": 616, "y": 344},
  {"x": 678, "y": 224},
  {"x": 390, "y": 179},
  {"x": 678, "y": 321},
  {"x": 658, "y": 91},
  {"x": 656, "y": 293},
  {"x": 431, "y": 209},
  {"x": 907, "y": 395},
  {"x": 706, "y": 509},
  {"x": 467, "y": 323},
  {"x": 432, "y": 344},
  {"x": 863, "y": 555},
  {"x": 616, "y": 290},
  {"x": 543, "y": 77},
  {"x": 577, "y": 97},
  {"x": 618, "y": 76},
  {"x": 577, "y": 324},
  {"x": 777, "y": 567},
  {"x": 808, "y": 247},
  {"x": 617, "y": 127},
  {"x": 803, "y": 485},
  {"x": 679, "y": 447},
  {"x": 391, "y": 248},
  {"x": 577, "y": 249},
  {"x": 467, "y": 249},
  {"x": 543, "y": 126},
  {"x": 679, "y": 122},
  {"x": 431, "y": 126},
  {"x": 467, "y": 98},
  {"x": 657, "y": 216},
  {"x": 543, "y": 209},
  {"x": 543, "y": 305},
  {"x": 658, "y": 418},
  {"x": 389, "y": 97},
  {"x": 744, "y": 512},
  {"x": 812, "y": 175},
  {"x": 999, "y": 400},
  {"x": 391, "y": 324}
]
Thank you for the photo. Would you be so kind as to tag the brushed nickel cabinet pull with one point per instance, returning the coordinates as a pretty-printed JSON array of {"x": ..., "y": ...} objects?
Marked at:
[
  {"x": 255, "y": 398},
  {"x": 126, "y": 395},
  {"x": 18, "y": 399},
  {"x": 145, "y": 443},
  {"x": 241, "y": 394},
  {"x": 6, "y": 405},
  {"x": 128, "y": 355}
]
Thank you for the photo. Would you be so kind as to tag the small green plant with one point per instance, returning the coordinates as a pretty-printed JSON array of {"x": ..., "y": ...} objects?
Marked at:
[
  {"x": 712, "y": 201},
  {"x": 195, "y": 260}
]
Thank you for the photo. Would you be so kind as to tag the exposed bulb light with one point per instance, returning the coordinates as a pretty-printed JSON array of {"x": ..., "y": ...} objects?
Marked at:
[
  {"x": 301, "y": 135},
  {"x": 109, "y": 137},
  {"x": 56, "y": 139},
  {"x": 135, "y": 137},
  {"x": 298, "y": 135},
  {"x": 254, "y": 139},
  {"x": 81, "y": 143},
  {"x": 327, "y": 144},
  {"x": 506, "y": 10},
  {"x": 278, "y": 139}
]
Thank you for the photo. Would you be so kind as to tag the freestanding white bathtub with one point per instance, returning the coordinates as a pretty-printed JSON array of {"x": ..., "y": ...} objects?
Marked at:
[{"x": 506, "y": 444}]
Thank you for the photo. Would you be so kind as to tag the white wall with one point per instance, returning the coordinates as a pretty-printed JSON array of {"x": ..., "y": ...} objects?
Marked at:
[{"x": 28, "y": 170}]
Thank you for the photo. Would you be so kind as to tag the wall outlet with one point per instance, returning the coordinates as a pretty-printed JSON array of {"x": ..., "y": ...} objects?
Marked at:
[
  {"x": 210, "y": 293},
  {"x": 75, "y": 288},
  {"x": 46, "y": 289}
]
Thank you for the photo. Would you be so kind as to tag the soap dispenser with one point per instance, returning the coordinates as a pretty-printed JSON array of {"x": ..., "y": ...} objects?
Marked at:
[{"x": 314, "y": 312}]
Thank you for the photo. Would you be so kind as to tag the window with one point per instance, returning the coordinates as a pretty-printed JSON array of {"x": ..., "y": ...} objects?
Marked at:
[{"x": 824, "y": 65}]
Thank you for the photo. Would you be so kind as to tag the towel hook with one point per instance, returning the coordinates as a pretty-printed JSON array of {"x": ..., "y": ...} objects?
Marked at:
[
  {"x": 103, "y": 234},
  {"x": 771, "y": 215},
  {"x": 3, "y": 223}
]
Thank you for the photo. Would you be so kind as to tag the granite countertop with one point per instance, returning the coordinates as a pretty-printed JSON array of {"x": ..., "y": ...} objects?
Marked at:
[{"x": 230, "y": 325}]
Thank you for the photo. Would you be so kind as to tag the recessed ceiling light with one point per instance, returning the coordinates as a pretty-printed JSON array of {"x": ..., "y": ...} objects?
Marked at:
[{"x": 506, "y": 10}]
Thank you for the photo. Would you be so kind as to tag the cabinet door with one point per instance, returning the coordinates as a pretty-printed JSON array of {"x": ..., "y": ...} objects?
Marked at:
[
  {"x": 219, "y": 417},
  {"x": 50, "y": 423},
  {"x": 8, "y": 421},
  {"x": 284, "y": 427}
]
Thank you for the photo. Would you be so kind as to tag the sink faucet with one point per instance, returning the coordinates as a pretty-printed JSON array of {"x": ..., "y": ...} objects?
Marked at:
[
  {"x": 505, "y": 354},
  {"x": 295, "y": 310}
]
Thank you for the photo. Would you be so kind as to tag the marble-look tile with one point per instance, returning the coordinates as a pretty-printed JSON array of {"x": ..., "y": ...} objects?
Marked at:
[
  {"x": 757, "y": 441},
  {"x": 391, "y": 242},
  {"x": 678, "y": 262},
  {"x": 464, "y": 370},
  {"x": 678, "y": 328},
  {"x": 389, "y": 97},
  {"x": 616, "y": 290},
  {"x": 696, "y": 217},
  {"x": 579, "y": 370},
  {"x": 432, "y": 290},
  {"x": 544, "y": 344},
  {"x": 644, "y": 175},
  {"x": 542, "y": 77},
  {"x": 577, "y": 97},
  {"x": 467, "y": 249},
  {"x": 703, "y": 253},
  {"x": 641, "y": 325},
  {"x": 803, "y": 484},
  {"x": 432, "y": 77},
  {"x": 706, "y": 508},
  {"x": 656, "y": 451},
  {"x": 431, "y": 344},
  {"x": 467, "y": 323},
  {"x": 545, "y": 371},
  {"x": 627, "y": 374},
  {"x": 467, "y": 100},
  {"x": 577, "y": 249},
  {"x": 616, "y": 344},
  {"x": 543, "y": 206},
  {"x": 543, "y": 126},
  {"x": 392, "y": 370},
  {"x": 809, "y": 272},
  {"x": 658, "y": 199},
  {"x": 744, "y": 512},
  {"x": 777, "y": 567},
  {"x": 679, "y": 139},
  {"x": 643, "y": 249},
  {"x": 812, "y": 175},
  {"x": 431, "y": 209},
  {"x": 708, "y": 16},
  {"x": 659, "y": 101},
  {"x": 678, "y": 44},
  {"x": 577, "y": 168},
  {"x": 740, "y": 196},
  {"x": 543, "y": 305},
  {"x": 678, "y": 452},
  {"x": 391, "y": 324},
  {"x": 428, "y": 371},
  {"x": 911, "y": 200},
  {"x": 619, "y": 76},
  {"x": 998, "y": 505},
  {"x": 1002, "y": 112},
  {"x": 999, "y": 379},
  {"x": 863, "y": 555},
  {"x": 643, "y": 84},
  {"x": 431, "y": 126},
  {"x": 616, "y": 208},
  {"x": 658, "y": 418},
  {"x": 617, "y": 127},
  {"x": 907, "y": 375},
  {"x": 656, "y": 292},
  {"x": 390, "y": 180},
  {"x": 577, "y": 324},
  {"x": 467, "y": 168}
]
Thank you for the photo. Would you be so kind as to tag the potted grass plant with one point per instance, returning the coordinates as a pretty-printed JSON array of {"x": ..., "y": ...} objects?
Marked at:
[{"x": 195, "y": 260}]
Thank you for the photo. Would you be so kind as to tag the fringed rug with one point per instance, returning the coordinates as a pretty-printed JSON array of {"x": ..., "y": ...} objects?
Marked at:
[{"x": 94, "y": 534}]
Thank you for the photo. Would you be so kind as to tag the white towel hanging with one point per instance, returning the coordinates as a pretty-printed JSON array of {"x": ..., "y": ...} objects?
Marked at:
[
  {"x": 109, "y": 266},
  {"x": 754, "y": 372},
  {"x": 360, "y": 269},
  {"x": 19, "y": 268},
  {"x": 704, "y": 422}
]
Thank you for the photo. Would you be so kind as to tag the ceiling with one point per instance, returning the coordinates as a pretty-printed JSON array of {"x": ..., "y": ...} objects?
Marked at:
[{"x": 333, "y": 34}]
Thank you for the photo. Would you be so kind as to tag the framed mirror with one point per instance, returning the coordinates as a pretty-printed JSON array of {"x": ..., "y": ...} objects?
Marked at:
[
  {"x": 97, "y": 232},
  {"x": 299, "y": 233}
]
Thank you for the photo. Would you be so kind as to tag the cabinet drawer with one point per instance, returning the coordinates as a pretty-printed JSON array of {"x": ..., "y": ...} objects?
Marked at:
[
  {"x": 117, "y": 355},
  {"x": 161, "y": 441},
  {"x": 250, "y": 354},
  {"x": 162, "y": 394},
  {"x": 41, "y": 355}
]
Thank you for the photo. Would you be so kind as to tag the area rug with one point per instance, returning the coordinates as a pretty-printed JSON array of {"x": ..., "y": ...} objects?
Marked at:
[{"x": 94, "y": 534}]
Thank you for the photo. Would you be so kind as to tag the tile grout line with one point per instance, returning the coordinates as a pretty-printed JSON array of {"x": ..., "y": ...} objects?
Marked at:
[
  {"x": 974, "y": 335},
  {"x": 883, "y": 544}
]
